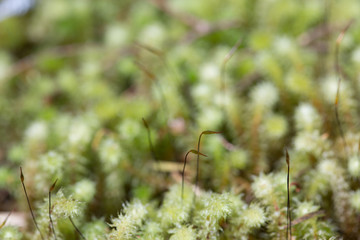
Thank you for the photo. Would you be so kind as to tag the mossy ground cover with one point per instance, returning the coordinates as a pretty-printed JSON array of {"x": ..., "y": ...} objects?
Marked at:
[{"x": 108, "y": 97}]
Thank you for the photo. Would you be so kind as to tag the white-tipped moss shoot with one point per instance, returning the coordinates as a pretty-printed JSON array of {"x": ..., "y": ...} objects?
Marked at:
[
  {"x": 311, "y": 142},
  {"x": 183, "y": 233},
  {"x": 153, "y": 34},
  {"x": 263, "y": 188},
  {"x": 264, "y": 96},
  {"x": 304, "y": 208},
  {"x": 129, "y": 129},
  {"x": 211, "y": 209},
  {"x": 201, "y": 92},
  {"x": 36, "y": 132},
  {"x": 79, "y": 133},
  {"x": 210, "y": 117},
  {"x": 354, "y": 166},
  {"x": 239, "y": 158},
  {"x": 10, "y": 233},
  {"x": 210, "y": 73},
  {"x": 152, "y": 231},
  {"x": 175, "y": 210},
  {"x": 127, "y": 224},
  {"x": 116, "y": 35},
  {"x": 341, "y": 193},
  {"x": 300, "y": 84},
  {"x": 110, "y": 153},
  {"x": 307, "y": 118},
  {"x": 253, "y": 216},
  {"x": 95, "y": 230},
  {"x": 275, "y": 126},
  {"x": 65, "y": 207},
  {"x": 52, "y": 163},
  {"x": 84, "y": 190},
  {"x": 355, "y": 200},
  {"x": 329, "y": 88}
]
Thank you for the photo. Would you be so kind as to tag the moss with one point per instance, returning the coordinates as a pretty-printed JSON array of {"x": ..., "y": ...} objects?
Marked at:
[{"x": 76, "y": 80}]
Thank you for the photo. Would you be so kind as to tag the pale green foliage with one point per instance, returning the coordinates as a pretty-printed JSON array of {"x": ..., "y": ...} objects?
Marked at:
[
  {"x": 271, "y": 192},
  {"x": 84, "y": 190},
  {"x": 307, "y": 118},
  {"x": 238, "y": 158},
  {"x": 10, "y": 233},
  {"x": 303, "y": 208},
  {"x": 298, "y": 82},
  {"x": 210, "y": 118},
  {"x": 64, "y": 207},
  {"x": 154, "y": 34},
  {"x": 183, "y": 233},
  {"x": 129, "y": 129},
  {"x": 116, "y": 35},
  {"x": 126, "y": 225},
  {"x": 95, "y": 230},
  {"x": 253, "y": 216},
  {"x": 125, "y": 228},
  {"x": 317, "y": 185},
  {"x": 211, "y": 209},
  {"x": 149, "y": 236},
  {"x": 354, "y": 166},
  {"x": 355, "y": 200},
  {"x": 340, "y": 189},
  {"x": 264, "y": 96},
  {"x": 110, "y": 152},
  {"x": 275, "y": 126},
  {"x": 79, "y": 132},
  {"x": 5, "y": 176},
  {"x": 329, "y": 90},
  {"x": 312, "y": 227},
  {"x": 152, "y": 231},
  {"x": 236, "y": 203},
  {"x": 263, "y": 187},
  {"x": 175, "y": 210},
  {"x": 52, "y": 163},
  {"x": 36, "y": 132},
  {"x": 311, "y": 142}
]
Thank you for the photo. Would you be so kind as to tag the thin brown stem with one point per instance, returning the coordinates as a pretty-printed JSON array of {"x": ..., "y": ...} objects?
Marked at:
[
  {"x": 150, "y": 143},
  {"x": 288, "y": 211},
  {"x": 338, "y": 73},
  {"x": 5, "y": 220},
  {"x": 76, "y": 228},
  {"x": 198, "y": 159},
  {"x": 223, "y": 70},
  {"x": 28, "y": 201},
  {"x": 183, "y": 171},
  {"x": 51, "y": 221}
]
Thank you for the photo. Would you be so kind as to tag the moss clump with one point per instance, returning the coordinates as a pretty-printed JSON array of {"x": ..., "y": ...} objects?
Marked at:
[{"x": 76, "y": 80}]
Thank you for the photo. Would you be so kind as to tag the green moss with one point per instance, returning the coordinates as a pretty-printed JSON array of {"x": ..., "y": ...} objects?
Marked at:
[{"x": 74, "y": 87}]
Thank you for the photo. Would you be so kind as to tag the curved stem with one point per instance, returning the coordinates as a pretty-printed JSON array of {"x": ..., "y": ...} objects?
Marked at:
[
  {"x": 51, "y": 221},
  {"x": 28, "y": 201},
  {"x": 197, "y": 166},
  {"x": 183, "y": 176},
  {"x": 77, "y": 230}
]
